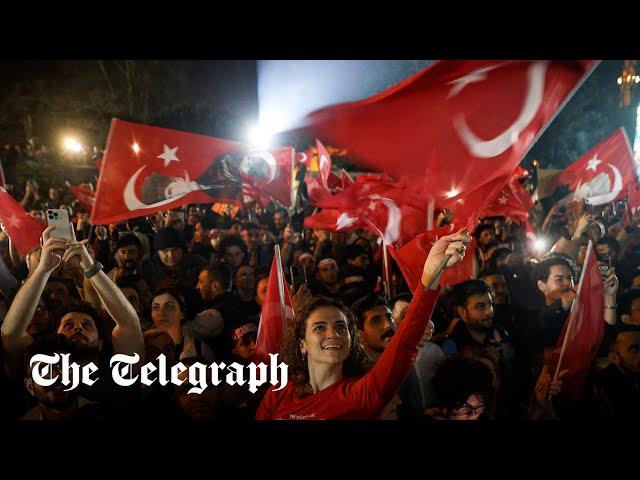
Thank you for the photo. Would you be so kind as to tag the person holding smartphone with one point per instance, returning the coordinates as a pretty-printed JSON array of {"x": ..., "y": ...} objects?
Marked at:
[{"x": 80, "y": 323}]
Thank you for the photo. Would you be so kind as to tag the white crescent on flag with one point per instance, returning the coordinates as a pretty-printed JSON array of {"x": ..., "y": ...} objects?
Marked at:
[{"x": 499, "y": 144}]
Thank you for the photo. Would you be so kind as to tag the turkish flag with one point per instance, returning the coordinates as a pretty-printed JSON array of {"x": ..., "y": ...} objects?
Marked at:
[
  {"x": 583, "y": 331},
  {"x": 324, "y": 164},
  {"x": 603, "y": 174},
  {"x": 388, "y": 208},
  {"x": 277, "y": 184},
  {"x": 335, "y": 221},
  {"x": 272, "y": 324},
  {"x": 513, "y": 201},
  {"x": 85, "y": 196},
  {"x": 146, "y": 169},
  {"x": 411, "y": 258},
  {"x": 304, "y": 158},
  {"x": 453, "y": 128},
  {"x": 633, "y": 201},
  {"x": 24, "y": 230}
]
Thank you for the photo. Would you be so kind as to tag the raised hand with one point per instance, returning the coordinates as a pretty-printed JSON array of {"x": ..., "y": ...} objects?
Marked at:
[
  {"x": 547, "y": 389},
  {"x": 452, "y": 247},
  {"x": 52, "y": 251},
  {"x": 611, "y": 283},
  {"x": 78, "y": 249}
]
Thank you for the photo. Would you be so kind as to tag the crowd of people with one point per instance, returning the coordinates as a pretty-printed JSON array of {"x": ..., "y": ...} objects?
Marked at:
[{"x": 190, "y": 283}]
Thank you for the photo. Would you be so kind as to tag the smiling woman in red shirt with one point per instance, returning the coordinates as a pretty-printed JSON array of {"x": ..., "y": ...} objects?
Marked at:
[{"x": 327, "y": 361}]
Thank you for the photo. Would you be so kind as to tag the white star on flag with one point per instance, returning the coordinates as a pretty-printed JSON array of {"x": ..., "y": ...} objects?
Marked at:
[
  {"x": 344, "y": 220},
  {"x": 15, "y": 221},
  {"x": 593, "y": 163},
  {"x": 169, "y": 155},
  {"x": 502, "y": 200},
  {"x": 475, "y": 76}
]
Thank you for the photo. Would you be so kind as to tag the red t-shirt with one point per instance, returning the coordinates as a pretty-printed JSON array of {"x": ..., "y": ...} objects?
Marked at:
[{"x": 361, "y": 398}]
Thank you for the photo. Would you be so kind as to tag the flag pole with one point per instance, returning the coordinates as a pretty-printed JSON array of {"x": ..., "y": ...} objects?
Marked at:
[
  {"x": 385, "y": 267},
  {"x": 572, "y": 313},
  {"x": 280, "y": 284}
]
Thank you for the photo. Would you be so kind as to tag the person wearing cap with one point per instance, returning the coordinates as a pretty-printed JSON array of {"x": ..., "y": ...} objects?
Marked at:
[{"x": 171, "y": 261}]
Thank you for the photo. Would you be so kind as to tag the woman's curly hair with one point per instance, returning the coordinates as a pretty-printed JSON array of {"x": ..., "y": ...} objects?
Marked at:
[{"x": 353, "y": 366}]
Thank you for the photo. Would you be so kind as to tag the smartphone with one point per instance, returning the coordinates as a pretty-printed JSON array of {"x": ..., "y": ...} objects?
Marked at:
[
  {"x": 603, "y": 258},
  {"x": 59, "y": 218}
]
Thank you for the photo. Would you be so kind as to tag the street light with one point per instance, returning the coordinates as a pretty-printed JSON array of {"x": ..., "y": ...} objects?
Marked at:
[{"x": 627, "y": 80}]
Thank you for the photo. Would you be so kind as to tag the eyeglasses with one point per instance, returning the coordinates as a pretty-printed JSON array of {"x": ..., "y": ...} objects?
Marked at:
[{"x": 467, "y": 409}]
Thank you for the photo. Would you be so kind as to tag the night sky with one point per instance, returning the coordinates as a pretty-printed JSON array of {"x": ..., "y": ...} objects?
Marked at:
[{"x": 221, "y": 98}]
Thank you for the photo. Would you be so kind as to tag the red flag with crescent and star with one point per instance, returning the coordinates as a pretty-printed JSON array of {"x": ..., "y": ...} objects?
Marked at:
[
  {"x": 146, "y": 169},
  {"x": 604, "y": 173},
  {"x": 372, "y": 201},
  {"x": 24, "y": 230},
  {"x": 84, "y": 195},
  {"x": 456, "y": 130},
  {"x": 273, "y": 326}
]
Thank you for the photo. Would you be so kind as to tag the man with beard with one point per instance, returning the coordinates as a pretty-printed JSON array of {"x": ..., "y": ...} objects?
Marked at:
[
  {"x": 502, "y": 314},
  {"x": 128, "y": 253},
  {"x": 54, "y": 402},
  {"x": 615, "y": 391},
  {"x": 60, "y": 293},
  {"x": 376, "y": 327},
  {"x": 79, "y": 323},
  {"x": 476, "y": 331}
]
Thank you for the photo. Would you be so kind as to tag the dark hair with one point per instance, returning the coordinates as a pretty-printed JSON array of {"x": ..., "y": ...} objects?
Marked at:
[
  {"x": 353, "y": 366},
  {"x": 401, "y": 297},
  {"x": 485, "y": 226},
  {"x": 175, "y": 293},
  {"x": 364, "y": 304},
  {"x": 233, "y": 240},
  {"x": 129, "y": 239},
  {"x": 489, "y": 272},
  {"x": 611, "y": 242},
  {"x": 46, "y": 345},
  {"x": 367, "y": 243},
  {"x": 459, "y": 377},
  {"x": 465, "y": 290},
  {"x": 82, "y": 307},
  {"x": 354, "y": 251},
  {"x": 222, "y": 274},
  {"x": 626, "y": 300},
  {"x": 543, "y": 269},
  {"x": 71, "y": 286}
]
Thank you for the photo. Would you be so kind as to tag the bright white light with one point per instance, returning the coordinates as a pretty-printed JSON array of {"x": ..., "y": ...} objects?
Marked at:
[
  {"x": 136, "y": 148},
  {"x": 260, "y": 137},
  {"x": 72, "y": 145},
  {"x": 540, "y": 245},
  {"x": 453, "y": 192}
]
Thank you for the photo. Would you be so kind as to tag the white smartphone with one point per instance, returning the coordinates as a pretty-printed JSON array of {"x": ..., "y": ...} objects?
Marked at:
[{"x": 59, "y": 218}]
